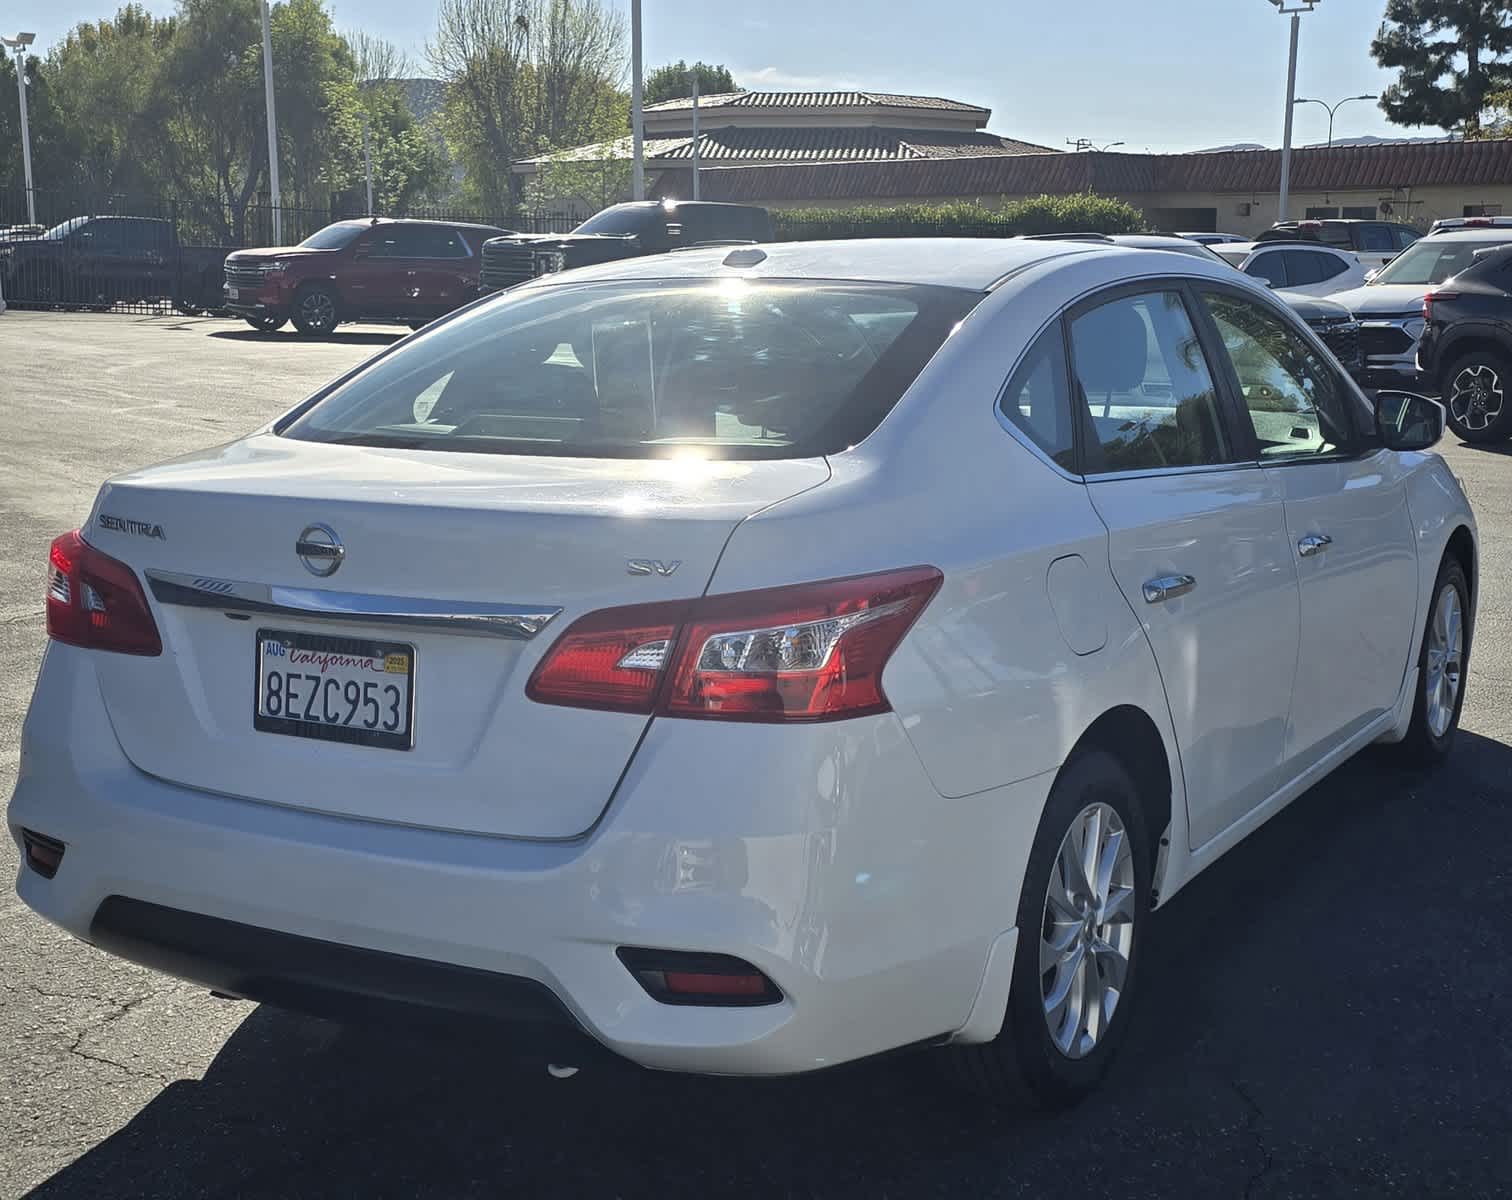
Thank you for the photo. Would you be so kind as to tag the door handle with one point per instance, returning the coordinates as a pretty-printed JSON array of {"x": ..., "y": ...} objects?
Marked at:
[
  {"x": 1167, "y": 587},
  {"x": 1313, "y": 543}
]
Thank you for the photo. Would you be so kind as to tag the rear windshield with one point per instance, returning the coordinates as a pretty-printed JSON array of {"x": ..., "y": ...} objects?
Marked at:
[
  {"x": 648, "y": 369},
  {"x": 333, "y": 237},
  {"x": 622, "y": 220},
  {"x": 1432, "y": 260}
]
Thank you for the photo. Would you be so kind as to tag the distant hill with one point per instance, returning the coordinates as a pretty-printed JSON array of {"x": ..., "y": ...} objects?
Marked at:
[{"x": 1368, "y": 139}]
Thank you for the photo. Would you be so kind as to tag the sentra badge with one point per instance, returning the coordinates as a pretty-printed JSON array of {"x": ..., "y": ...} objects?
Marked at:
[{"x": 125, "y": 525}]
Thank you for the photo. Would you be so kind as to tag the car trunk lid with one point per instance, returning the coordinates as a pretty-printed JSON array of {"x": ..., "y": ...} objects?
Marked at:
[{"x": 430, "y": 542}]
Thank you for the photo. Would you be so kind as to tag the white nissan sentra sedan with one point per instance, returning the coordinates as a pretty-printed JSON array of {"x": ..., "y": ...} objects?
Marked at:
[{"x": 758, "y": 659}]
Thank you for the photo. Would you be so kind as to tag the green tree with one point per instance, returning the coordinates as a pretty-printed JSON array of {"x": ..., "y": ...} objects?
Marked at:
[
  {"x": 54, "y": 174},
  {"x": 1449, "y": 55},
  {"x": 675, "y": 81},
  {"x": 524, "y": 77},
  {"x": 102, "y": 75}
]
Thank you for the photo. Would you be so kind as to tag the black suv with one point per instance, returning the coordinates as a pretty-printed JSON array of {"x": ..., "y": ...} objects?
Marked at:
[
  {"x": 1465, "y": 353},
  {"x": 622, "y": 231}
]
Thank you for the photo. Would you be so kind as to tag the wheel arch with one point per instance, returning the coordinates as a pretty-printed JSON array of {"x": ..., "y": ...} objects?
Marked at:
[
  {"x": 1474, "y": 341},
  {"x": 1461, "y": 546},
  {"x": 1131, "y": 736}
]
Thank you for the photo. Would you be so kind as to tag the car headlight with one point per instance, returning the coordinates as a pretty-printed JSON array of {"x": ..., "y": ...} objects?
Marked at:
[
  {"x": 549, "y": 262},
  {"x": 274, "y": 270}
]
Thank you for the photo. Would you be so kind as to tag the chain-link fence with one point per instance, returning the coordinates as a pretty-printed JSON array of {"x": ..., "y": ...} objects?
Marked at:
[{"x": 103, "y": 253}]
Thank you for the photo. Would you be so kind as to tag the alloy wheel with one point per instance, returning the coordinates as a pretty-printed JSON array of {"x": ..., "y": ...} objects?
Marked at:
[
  {"x": 1476, "y": 396},
  {"x": 1087, "y": 931},
  {"x": 318, "y": 311},
  {"x": 1446, "y": 654}
]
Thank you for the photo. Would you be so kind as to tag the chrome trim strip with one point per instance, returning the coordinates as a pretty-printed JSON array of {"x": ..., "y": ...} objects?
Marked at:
[{"x": 517, "y": 621}]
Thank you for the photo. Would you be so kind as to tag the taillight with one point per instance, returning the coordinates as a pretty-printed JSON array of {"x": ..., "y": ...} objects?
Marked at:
[
  {"x": 1431, "y": 297},
  {"x": 95, "y": 601},
  {"x": 812, "y": 652}
]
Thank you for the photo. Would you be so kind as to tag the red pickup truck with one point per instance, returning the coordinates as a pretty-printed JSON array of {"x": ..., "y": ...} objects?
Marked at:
[{"x": 372, "y": 269}]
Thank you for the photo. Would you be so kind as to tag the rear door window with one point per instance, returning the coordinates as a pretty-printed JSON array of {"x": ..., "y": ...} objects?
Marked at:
[
  {"x": 1376, "y": 238},
  {"x": 1270, "y": 266},
  {"x": 1305, "y": 266},
  {"x": 1146, "y": 387},
  {"x": 647, "y": 369}
]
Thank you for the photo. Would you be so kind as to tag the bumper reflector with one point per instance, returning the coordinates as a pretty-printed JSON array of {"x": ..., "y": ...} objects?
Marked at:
[
  {"x": 714, "y": 980},
  {"x": 43, "y": 854}
]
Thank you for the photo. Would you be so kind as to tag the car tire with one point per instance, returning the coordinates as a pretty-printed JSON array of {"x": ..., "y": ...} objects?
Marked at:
[
  {"x": 265, "y": 324},
  {"x": 1048, "y": 1054},
  {"x": 316, "y": 310},
  {"x": 1443, "y": 665},
  {"x": 1475, "y": 393}
]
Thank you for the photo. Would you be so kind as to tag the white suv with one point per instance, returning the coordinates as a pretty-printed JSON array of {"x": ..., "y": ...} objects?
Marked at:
[{"x": 1304, "y": 267}]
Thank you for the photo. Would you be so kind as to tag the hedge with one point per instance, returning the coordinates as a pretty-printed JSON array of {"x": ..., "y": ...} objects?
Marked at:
[{"x": 1083, "y": 212}]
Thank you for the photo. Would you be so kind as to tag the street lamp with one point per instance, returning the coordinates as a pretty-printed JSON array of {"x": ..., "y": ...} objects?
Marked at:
[
  {"x": 274, "y": 192},
  {"x": 19, "y": 43},
  {"x": 1295, "y": 11},
  {"x": 1333, "y": 108},
  {"x": 637, "y": 121}
]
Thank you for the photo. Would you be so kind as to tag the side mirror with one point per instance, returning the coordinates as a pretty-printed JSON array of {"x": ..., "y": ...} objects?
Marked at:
[
  {"x": 1372, "y": 273},
  {"x": 1407, "y": 421}
]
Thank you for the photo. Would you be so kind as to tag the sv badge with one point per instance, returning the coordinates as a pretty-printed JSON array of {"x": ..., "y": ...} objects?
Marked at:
[{"x": 651, "y": 566}]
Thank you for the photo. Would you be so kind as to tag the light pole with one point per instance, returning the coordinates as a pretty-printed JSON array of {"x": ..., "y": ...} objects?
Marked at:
[
  {"x": 1333, "y": 108},
  {"x": 1298, "y": 7},
  {"x": 19, "y": 43},
  {"x": 274, "y": 192},
  {"x": 637, "y": 124}
]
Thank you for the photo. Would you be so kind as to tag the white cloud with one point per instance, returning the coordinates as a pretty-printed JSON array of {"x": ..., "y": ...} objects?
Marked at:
[{"x": 776, "y": 79}]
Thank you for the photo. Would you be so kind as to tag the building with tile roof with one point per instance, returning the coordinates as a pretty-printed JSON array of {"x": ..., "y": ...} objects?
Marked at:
[
  {"x": 770, "y": 128},
  {"x": 1234, "y": 191}
]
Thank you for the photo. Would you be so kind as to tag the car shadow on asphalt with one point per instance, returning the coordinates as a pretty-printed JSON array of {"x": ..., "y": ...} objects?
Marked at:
[
  {"x": 1295, "y": 1036},
  {"x": 1488, "y": 447},
  {"x": 289, "y": 337}
]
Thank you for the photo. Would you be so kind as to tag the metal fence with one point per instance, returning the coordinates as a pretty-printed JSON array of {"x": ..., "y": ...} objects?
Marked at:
[{"x": 154, "y": 255}]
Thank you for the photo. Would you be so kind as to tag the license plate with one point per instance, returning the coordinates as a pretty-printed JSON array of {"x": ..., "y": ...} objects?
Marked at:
[
  {"x": 336, "y": 689},
  {"x": 233, "y": 294}
]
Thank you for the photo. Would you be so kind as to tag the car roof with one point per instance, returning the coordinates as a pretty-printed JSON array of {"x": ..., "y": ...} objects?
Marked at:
[
  {"x": 974, "y": 263},
  {"x": 1481, "y": 233}
]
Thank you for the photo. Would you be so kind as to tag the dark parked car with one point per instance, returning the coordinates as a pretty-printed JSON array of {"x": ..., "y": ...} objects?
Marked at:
[
  {"x": 1465, "y": 353},
  {"x": 622, "y": 231},
  {"x": 372, "y": 269},
  {"x": 96, "y": 262}
]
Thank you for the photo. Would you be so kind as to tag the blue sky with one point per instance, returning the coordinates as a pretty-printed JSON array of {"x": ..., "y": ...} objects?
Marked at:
[{"x": 1163, "y": 74}]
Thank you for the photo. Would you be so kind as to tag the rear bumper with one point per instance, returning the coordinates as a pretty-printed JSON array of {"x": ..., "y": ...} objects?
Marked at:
[{"x": 837, "y": 870}]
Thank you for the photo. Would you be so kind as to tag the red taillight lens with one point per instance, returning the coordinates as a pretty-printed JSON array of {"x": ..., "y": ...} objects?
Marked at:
[
  {"x": 610, "y": 659},
  {"x": 95, "y": 601},
  {"x": 812, "y": 652},
  {"x": 1432, "y": 297}
]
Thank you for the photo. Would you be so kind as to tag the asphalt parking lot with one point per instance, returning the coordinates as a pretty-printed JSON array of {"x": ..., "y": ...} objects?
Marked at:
[{"x": 1328, "y": 1011}]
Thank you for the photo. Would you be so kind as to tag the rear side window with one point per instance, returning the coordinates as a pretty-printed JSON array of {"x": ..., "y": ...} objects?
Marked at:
[
  {"x": 1304, "y": 267},
  {"x": 650, "y": 369},
  {"x": 1145, "y": 383},
  {"x": 1270, "y": 267},
  {"x": 1404, "y": 236},
  {"x": 439, "y": 242},
  {"x": 1037, "y": 399},
  {"x": 1375, "y": 237}
]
